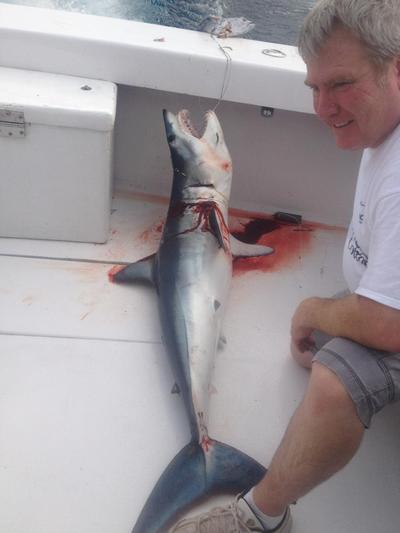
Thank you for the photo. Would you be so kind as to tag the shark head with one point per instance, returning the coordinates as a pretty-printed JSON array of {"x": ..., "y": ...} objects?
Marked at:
[{"x": 198, "y": 161}]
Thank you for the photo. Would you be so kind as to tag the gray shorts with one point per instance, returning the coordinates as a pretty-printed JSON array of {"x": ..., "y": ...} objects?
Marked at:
[{"x": 371, "y": 377}]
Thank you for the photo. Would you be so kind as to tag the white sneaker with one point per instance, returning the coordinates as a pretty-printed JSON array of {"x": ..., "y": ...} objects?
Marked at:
[{"x": 237, "y": 517}]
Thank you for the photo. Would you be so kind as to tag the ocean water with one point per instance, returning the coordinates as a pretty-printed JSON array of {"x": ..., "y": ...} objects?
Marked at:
[{"x": 276, "y": 21}]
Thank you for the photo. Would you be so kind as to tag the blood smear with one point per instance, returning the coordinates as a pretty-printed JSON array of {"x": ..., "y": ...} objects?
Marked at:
[{"x": 289, "y": 241}]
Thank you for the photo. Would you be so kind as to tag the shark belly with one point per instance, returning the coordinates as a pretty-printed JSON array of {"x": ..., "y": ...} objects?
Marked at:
[{"x": 193, "y": 281}]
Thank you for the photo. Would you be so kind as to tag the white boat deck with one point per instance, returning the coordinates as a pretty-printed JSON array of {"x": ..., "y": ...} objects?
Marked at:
[{"x": 87, "y": 418}]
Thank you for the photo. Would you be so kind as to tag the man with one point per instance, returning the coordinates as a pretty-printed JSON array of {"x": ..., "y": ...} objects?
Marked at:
[{"x": 352, "y": 52}]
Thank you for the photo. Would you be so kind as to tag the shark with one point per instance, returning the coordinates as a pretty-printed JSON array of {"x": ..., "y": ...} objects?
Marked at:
[{"x": 192, "y": 272}]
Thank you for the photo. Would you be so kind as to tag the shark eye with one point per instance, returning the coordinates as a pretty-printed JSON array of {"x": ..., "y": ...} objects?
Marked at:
[
  {"x": 217, "y": 136},
  {"x": 171, "y": 137}
]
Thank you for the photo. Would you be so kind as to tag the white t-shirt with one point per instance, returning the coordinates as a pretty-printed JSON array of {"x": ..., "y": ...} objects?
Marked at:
[{"x": 371, "y": 258}]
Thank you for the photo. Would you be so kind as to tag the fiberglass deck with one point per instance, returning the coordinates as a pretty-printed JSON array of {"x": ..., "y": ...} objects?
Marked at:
[{"x": 87, "y": 418}]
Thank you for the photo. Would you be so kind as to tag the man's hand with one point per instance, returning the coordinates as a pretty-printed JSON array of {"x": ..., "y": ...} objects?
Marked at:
[
  {"x": 353, "y": 317},
  {"x": 302, "y": 342},
  {"x": 301, "y": 330}
]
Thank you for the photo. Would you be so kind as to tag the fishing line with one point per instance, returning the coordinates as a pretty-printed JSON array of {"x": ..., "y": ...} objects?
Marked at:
[{"x": 227, "y": 72}]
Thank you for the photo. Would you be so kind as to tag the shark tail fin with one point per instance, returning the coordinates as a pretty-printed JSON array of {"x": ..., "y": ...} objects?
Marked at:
[{"x": 195, "y": 473}]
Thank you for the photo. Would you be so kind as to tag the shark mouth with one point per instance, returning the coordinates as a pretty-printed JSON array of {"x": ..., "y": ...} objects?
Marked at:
[{"x": 186, "y": 124}]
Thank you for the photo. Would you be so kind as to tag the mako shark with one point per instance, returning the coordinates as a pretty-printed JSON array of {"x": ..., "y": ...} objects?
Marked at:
[{"x": 192, "y": 272}]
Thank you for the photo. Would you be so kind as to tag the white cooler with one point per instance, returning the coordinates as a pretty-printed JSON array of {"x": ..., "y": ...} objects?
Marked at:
[{"x": 56, "y": 139}]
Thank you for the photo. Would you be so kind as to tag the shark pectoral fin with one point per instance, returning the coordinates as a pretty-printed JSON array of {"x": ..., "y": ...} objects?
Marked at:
[
  {"x": 215, "y": 226},
  {"x": 243, "y": 249},
  {"x": 140, "y": 271},
  {"x": 192, "y": 475}
]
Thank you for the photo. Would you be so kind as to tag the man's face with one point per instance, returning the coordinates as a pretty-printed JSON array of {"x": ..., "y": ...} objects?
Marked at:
[{"x": 360, "y": 104}]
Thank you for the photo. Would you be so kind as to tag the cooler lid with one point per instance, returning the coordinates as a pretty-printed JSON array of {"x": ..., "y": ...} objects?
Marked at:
[{"x": 58, "y": 100}]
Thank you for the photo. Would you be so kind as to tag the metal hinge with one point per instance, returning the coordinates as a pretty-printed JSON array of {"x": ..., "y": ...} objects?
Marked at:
[{"x": 12, "y": 123}]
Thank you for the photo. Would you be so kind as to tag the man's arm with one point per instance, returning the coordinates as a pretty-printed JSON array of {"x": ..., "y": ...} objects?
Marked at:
[{"x": 354, "y": 317}]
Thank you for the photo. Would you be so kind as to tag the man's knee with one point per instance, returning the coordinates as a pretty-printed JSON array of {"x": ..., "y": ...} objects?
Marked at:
[{"x": 327, "y": 393}]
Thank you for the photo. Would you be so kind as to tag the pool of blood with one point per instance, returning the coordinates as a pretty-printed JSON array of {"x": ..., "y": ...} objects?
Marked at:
[{"x": 289, "y": 241}]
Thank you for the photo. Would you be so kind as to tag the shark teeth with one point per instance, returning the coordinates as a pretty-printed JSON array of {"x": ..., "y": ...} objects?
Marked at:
[{"x": 186, "y": 124}]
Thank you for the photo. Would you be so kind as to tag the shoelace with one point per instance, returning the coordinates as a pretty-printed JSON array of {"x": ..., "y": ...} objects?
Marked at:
[
  {"x": 216, "y": 518},
  {"x": 221, "y": 513}
]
